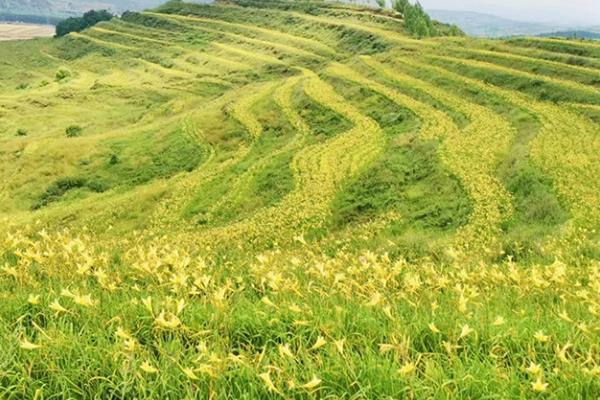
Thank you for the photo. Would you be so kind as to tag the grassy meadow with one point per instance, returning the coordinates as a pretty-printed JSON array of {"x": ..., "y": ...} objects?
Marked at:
[{"x": 300, "y": 200}]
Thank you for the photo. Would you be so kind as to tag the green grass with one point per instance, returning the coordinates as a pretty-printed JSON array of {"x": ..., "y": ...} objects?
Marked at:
[
  {"x": 537, "y": 88},
  {"x": 407, "y": 179},
  {"x": 324, "y": 123},
  {"x": 538, "y": 211},
  {"x": 565, "y": 47}
]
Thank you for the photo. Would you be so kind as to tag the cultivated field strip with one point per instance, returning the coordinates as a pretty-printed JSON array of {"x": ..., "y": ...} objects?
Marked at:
[
  {"x": 567, "y": 148},
  {"x": 243, "y": 111},
  {"x": 585, "y": 44},
  {"x": 242, "y": 38},
  {"x": 568, "y": 49},
  {"x": 282, "y": 95},
  {"x": 174, "y": 65},
  {"x": 319, "y": 170},
  {"x": 394, "y": 37},
  {"x": 534, "y": 53},
  {"x": 568, "y": 84},
  {"x": 103, "y": 43},
  {"x": 272, "y": 35},
  {"x": 168, "y": 39},
  {"x": 471, "y": 155},
  {"x": 131, "y": 36},
  {"x": 266, "y": 46},
  {"x": 229, "y": 62},
  {"x": 253, "y": 56},
  {"x": 590, "y": 73}
]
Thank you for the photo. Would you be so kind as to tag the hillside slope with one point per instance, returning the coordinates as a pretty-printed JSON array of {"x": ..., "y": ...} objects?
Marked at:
[{"x": 258, "y": 199}]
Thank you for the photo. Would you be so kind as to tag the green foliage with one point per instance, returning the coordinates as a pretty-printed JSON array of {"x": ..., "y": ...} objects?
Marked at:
[
  {"x": 21, "y": 132},
  {"x": 74, "y": 131},
  {"x": 408, "y": 179},
  {"x": 63, "y": 185},
  {"x": 417, "y": 22},
  {"x": 324, "y": 122},
  {"x": 69, "y": 49},
  {"x": 401, "y": 6},
  {"x": 62, "y": 74},
  {"x": 536, "y": 202},
  {"x": 78, "y": 24},
  {"x": 571, "y": 47}
]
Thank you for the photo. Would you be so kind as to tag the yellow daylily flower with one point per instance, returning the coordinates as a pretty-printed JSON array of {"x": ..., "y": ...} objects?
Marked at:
[
  {"x": 539, "y": 385},
  {"x": 25, "y": 344},
  {"x": 148, "y": 368},
  {"x": 312, "y": 384},
  {"x": 266, "y": 378},
  {"x": 320, "y": 342}
]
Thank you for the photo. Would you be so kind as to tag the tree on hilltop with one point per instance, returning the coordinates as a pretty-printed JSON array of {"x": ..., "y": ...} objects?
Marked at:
[{"x": 78, "y": 24}]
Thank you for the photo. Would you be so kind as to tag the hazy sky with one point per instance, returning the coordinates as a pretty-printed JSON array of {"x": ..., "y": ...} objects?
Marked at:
[{"x": 561, "y": 11}]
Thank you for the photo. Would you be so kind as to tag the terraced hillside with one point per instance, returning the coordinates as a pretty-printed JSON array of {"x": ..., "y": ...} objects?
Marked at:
[{"x": 265, "y": 199}]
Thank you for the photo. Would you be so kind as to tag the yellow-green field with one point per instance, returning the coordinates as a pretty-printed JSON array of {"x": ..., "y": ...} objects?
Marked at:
[
  {"x": 279, "y": 199},
  {"x": 10, "y": 31}
]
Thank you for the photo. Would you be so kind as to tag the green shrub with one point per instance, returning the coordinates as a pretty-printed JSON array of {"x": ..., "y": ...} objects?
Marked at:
[
  {"x": 62, "y": 74},
  {"x": 74, "y": 131},
  {"x": 77, "y": 24},
  {"x": 60, "y": 187},
  {"x": 21, "y": 132}
]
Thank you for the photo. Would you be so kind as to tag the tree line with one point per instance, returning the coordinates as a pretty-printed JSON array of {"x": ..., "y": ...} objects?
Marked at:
[
  {"x": 77, "y": 24},
  {"x": 418, "y": 23}
]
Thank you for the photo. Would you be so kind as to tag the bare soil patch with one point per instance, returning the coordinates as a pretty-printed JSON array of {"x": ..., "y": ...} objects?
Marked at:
[{"x": 12, "y": 31}]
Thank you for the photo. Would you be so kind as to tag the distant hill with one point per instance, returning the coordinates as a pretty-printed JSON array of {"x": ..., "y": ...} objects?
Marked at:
[
  {"x": 478, "y": 24},
  {"x": 575, "y": 34},
  {"x": 52, "y": 9}
]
